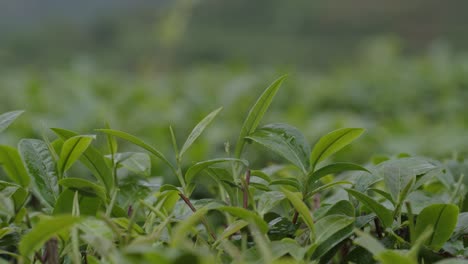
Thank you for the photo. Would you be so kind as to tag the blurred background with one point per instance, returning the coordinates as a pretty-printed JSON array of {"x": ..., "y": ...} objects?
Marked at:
[{"x": 397, "y": 68}]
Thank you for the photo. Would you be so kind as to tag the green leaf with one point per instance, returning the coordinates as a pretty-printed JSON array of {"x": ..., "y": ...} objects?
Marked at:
[
  {"x": 136, "y": 162},
  {"x": 7, "y": 207},
  {"x": 184, "y": 227},
  {"x": 138, "y": 142},
  {"x": 287, "y": 181},
  {"x": 333, "y": 142},
  {"x": 13, "y": 166},
  {"x": 384, "y": 194},
  {"x": 260, "y": 174},
  {"x": 398, "y": 173},
  {"x": 342, "y": 207},
  {"x": 43, "y": 231},
  {"x": 256, "y": 113},
  {"x": 302, "y": 209},
  {"x": 326, "y": 186},
  {"x": 88, "y": 205},
  {"x": 385, "y": 215},
  {"x": 246, "y": 215},
  {"x": 196, "y": 132},
  {"x": 200, "y": 166},
  {"x": 462, "y": 225},
  {"x": 231, "y": 230},
  {"x": 443, "y": 218},
  {"x": 268, "y": 200},
  {"x": 331, "y": 230},
  {"x": 333, "y": 169},
  {"x": 453, "y": 261},
  {"x": 84, "y": 186},
  {"x": 368, "y": 242},
  {"x": 41, "y": 168},
  {"x": 7, "y": 118},
  {"x": 393, "y": 256},
  {"x": 93, "y": 160},
  {"x": 286, "y": 141},
  {"x": 72, "y": 150}
]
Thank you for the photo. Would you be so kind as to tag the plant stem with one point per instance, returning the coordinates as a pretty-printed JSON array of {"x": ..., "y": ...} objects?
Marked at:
[
  {"x": 411, "y": 222},
  {"x": 246, "y": 189},
  {"x": 378, "y": 228},
  {"x": 295, "y": 217},
  {"x": 204, "y": 221}
]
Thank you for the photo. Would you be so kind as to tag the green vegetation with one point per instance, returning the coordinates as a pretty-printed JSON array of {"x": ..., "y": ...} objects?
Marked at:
[{"x": 71, "y": 198}]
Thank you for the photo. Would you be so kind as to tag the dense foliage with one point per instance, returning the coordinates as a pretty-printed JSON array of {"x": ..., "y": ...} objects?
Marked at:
[{"x": 75, "y": 198}]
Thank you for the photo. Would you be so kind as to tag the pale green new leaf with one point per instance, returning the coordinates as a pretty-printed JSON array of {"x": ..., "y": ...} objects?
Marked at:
[
  {"x": 286, "y": 141},
  {"x": 93, "y": 160},
  {"x": 133, "y": 139},
  {"x": 368, "y": 242},
  {"x": 246, "y": 215},
  {"x": 43, "y": 231},
  {"x": 302, "y": 209},
  {"x": 231, "y": 229},
  {"x": 332, "y": 143},
  {"x": 7, "y": 118},
  {"x": 196, "y": 132},
  {"x": 13, "y": 166},
  {"x": 72, "y": 150},
  {"x": 256, "y": 113}
]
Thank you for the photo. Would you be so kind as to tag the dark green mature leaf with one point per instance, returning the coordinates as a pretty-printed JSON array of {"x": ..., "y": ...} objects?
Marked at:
[
  {"x": 13, "y": 166},
  {"x": 88, "y": 205},
  {"x": 332, "y": 169},
  {"x": 196, "y": 132},
  {"x": 7, "y": 118},
  {"x": 256, "y": 113},
  {"x": 41, "y": 167},
  {"x": 133, "y": 139},
  {"x": 398, "y": 173},
  {"x": 302, "y": 209},
  {"x": 453, "y": 261},
  {"x": 333, "y": 142},
  {"x": 382, "y": 213},
  {"x": 93, "y": 160},
  {"x": 72, "y": 150},
  {"x": 7, "y": 206},
  {"x": 443, "y": 218},
  {"x": 331, "y": 230},
  {"x": 43, "y": 231},
  {"x": 200, "y": 166},
  {"x": 462, "y": 225},
  {"x": 342, "y": 207},
  {"x": 84, "y": 186},
  {"x": 286, "y": 141}
]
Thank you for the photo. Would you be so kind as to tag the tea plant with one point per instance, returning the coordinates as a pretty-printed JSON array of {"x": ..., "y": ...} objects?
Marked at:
[{"x": 72, "y": 200}]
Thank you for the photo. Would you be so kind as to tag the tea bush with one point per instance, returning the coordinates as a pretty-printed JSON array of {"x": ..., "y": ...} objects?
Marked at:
[{"x": 82, "y": 198}]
